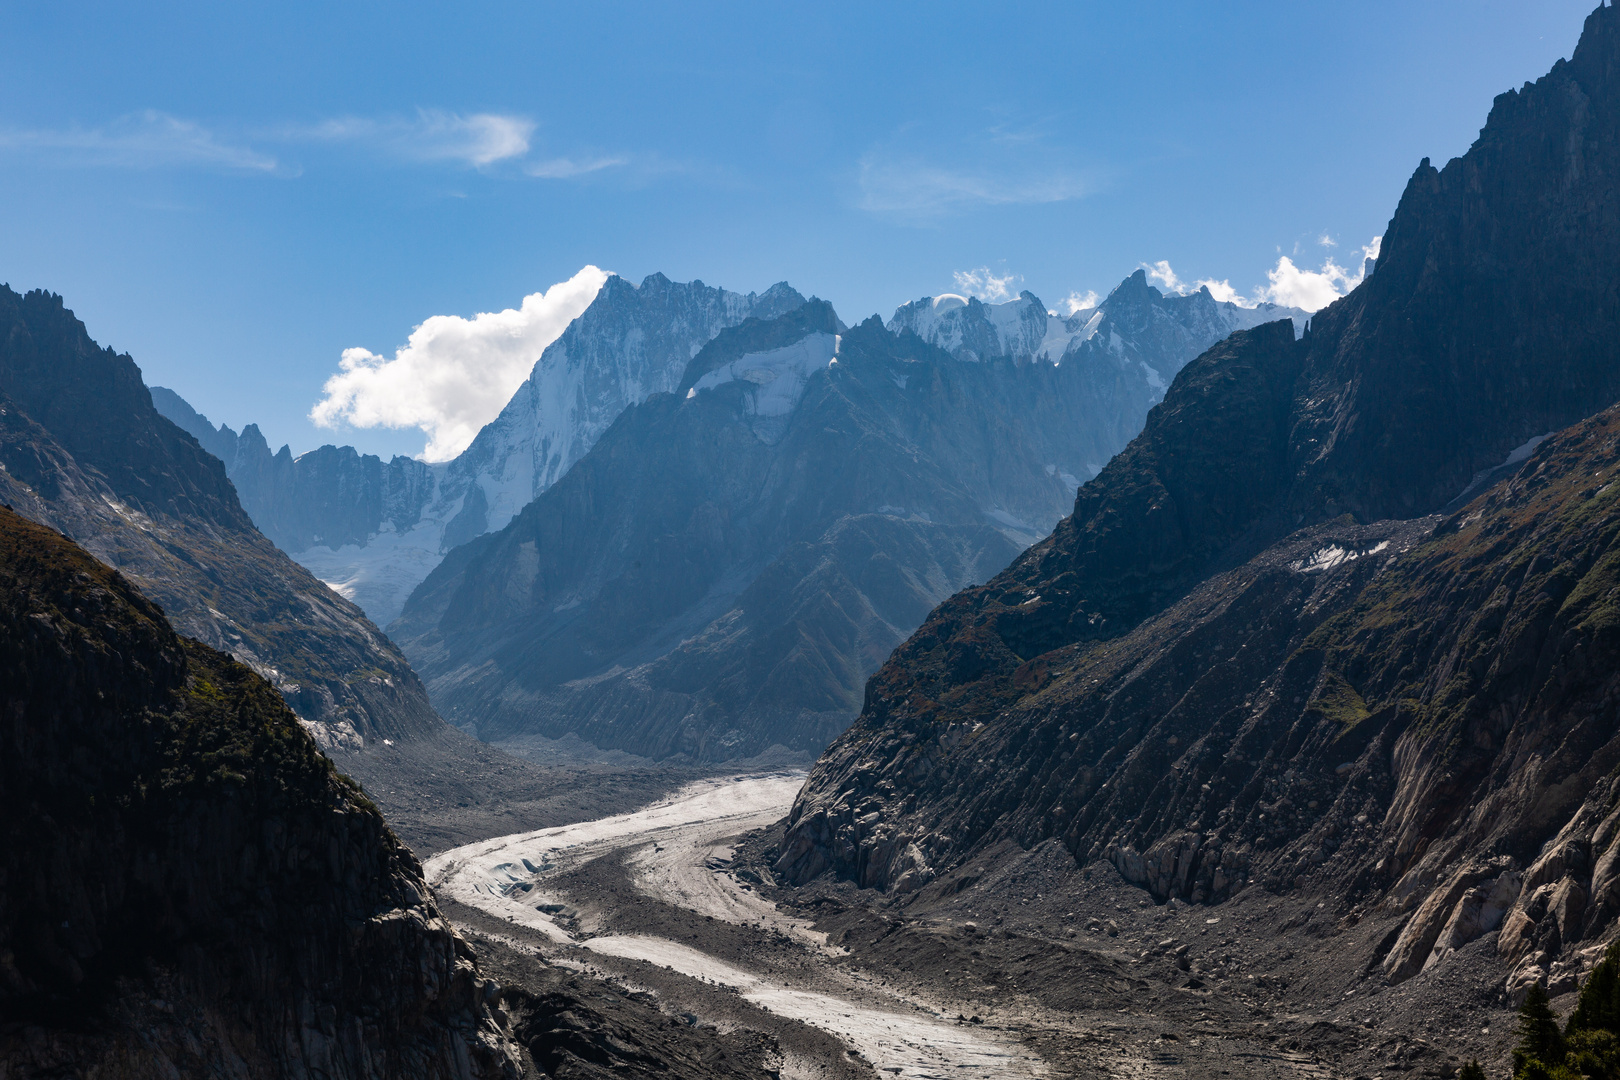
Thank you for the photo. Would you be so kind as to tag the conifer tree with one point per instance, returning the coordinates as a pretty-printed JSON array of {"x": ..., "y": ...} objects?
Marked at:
[
  {"x": 1541, "y": 1044},
  {"x": 1599, "y": 1006}
]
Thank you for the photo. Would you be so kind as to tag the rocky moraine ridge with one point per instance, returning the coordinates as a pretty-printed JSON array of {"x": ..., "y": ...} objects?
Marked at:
[
  {"x": 1268, "y": 650},
  {"x": 187, "y": 886}
]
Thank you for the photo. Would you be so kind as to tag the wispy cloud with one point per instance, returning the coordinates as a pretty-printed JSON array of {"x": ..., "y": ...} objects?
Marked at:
[
  {"x": 485, "y": 141},
  {"x": 568, "y": 168},
  {"x": 144, "y": 140},
  {"x": 454, "y": 374},
  {"x": 930, "y": 171},
  {"x": 1287, "y": 283},
  {"x": 475, "y": 139},
  {"x": 986, "y": 286},
  {"x": 918, "y": 188}
]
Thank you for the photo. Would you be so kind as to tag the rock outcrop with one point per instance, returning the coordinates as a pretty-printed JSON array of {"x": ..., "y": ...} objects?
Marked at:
[
  {"x": 83, "y": 450},
  {"x": 1256, "y": 656},
  {"x": 187, "y": 886}
]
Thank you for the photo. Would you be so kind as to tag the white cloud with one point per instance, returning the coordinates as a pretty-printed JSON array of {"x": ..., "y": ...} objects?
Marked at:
[
  {"x": 917, "y": 188},
  {"x": 985, "y": 285},
  {"x": 143, "y": 140},
  {"x": 1313, "y": 290},
  {"x": 568, "y": 168},
  {"x": 1161, "y": 272},
  {"x": 1287, "y": 283},
  {"x": 476, "y": 139},
  {"x": 1077, "y": 302},
  {"x": 1327, "y": 241},
  {"x": 454, "y": 375},
  {"x": 1221, "y": 290}
]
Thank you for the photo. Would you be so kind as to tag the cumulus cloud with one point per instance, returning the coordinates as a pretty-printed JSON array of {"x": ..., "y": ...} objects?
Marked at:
[
  {"x": 1077, "y": 302},
  {"x": 454, "y": 375},
  {"x": 143, "y": 140},
  {"x": 1287, "y": 283},
  {"x": 985, "y": 285},
  {"x": 1313, "y": 290},
  {"x": 1221, "y": 290}
]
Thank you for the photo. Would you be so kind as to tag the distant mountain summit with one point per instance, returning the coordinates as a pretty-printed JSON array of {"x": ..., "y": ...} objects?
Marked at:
[
  {"x": 1137, "y": 324},
  {"x": 373, "y": 529}
]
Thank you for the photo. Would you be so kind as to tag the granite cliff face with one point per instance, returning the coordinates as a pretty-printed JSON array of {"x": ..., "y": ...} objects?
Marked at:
[
  {"x": 187, "y": 886},
  {"x": 373, "y": 530},
  {"x": 1253, "y": 656},
  {"x": 727, "y": 565},
  {"x": 83, "y": 450}
]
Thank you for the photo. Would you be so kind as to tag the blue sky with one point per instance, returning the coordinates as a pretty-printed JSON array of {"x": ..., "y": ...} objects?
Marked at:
[{"x": 236, "y": 194}]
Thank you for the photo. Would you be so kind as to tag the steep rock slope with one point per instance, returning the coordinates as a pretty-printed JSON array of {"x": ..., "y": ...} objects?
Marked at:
[
  {"x": 84, "y": 451},
  {"x": 373, "y": 529},
  {"x": 727, "y": 565},
  {"x": 1398, "y": 721},
  {"x": 187, "y": 887}
]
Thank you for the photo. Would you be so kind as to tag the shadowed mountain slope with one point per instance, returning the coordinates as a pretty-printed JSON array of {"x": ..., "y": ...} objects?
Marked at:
[
  {"x": 1246, "y": 660},
  {"x": 84, "y": 451},
  {"x": 187, "y": 886}
]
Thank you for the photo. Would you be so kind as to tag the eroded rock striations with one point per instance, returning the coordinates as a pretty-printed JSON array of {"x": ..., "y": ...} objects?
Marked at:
[
  {"x": 83, "y": 450},
  {"x": 1255, "y": 656},
  {"x": 187, "y": 886}
]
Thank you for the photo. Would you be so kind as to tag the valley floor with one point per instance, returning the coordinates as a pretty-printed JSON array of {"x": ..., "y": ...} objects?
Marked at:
[{"x": 666, "y": 921}]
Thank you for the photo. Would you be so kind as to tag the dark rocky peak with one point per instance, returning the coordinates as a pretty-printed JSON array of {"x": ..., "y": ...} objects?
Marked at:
[
  {"x": 107, "y": 468},
  {"x": 187, "y": 886},
  {"x": 757, "y": 335},
  {"x": 220, "y": 441},
  {"x": 93, "y": 402},
  {"x": 1135, "y": 287}
]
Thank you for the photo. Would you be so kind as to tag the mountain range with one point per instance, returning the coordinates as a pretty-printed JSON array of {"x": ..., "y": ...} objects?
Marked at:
[
  {"x": 722, "y": 572},
  {"x": 373, "y": 530},
  {"x": 1101, "y": 370},
  {"x": 1258, "y": 654}
]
